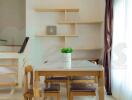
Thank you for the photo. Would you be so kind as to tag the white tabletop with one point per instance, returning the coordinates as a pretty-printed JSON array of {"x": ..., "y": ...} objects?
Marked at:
[{"x": 77, "y": 65}]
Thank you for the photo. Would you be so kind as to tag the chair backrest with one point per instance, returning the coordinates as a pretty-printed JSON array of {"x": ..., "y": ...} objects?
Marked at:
[{"x": 28, "y": 81}]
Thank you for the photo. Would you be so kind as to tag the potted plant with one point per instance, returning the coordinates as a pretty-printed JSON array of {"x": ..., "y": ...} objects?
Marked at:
[{"x": 67, "y": 56}]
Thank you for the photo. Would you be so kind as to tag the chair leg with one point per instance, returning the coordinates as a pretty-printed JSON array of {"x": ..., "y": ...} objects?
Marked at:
[
  {"x": 45, "y": 97},
  {"x": 58, "y": 96},
  {"x": 46, "y": 84},
  {"x": 25, "y": 98},
  {"x": 67, "y": 88},
  {"x": 30, "y": 98},
  {"x": 71, "y": 96}
]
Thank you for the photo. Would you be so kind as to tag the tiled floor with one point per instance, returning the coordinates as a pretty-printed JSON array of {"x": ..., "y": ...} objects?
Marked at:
[{"x": 18, "y": 96}]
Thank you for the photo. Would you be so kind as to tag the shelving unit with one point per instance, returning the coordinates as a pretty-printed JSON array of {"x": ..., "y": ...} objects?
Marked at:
[{"x": 72, "y": 23}]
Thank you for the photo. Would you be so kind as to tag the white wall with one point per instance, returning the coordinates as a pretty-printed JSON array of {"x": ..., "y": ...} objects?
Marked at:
[
  {"x": 12, "y": 21},
  {"x": 42, "y": 48}
]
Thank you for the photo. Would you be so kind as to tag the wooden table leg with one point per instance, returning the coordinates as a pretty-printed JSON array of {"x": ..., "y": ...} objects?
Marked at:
[
  {"x": 36, "y": 85},
  {"x": 101, "y": 85},
  {"x": 68, "y": 89}
]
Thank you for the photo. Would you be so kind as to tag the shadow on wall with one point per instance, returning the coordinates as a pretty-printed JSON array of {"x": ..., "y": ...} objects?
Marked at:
[
  {"x": 12, "y": 36},
  {"x": 12, "y": 22}
]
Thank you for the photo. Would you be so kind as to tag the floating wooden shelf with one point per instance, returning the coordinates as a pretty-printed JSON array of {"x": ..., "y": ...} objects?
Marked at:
[
  {"x": 80, "y": 22},
  {"x": 56, "y": 10},
  {"x": 56, "y": 35},
  {"x": 91, "y": 59},
  {"x": 87, "y": 49}
]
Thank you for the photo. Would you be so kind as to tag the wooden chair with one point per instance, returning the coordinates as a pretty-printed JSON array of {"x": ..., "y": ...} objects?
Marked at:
[
  {"x": 52, "y": 90},
  {"x": 58, "y": 80},
  {"x": 83, "y": 85},
  {"x": 81, "y": 89}
]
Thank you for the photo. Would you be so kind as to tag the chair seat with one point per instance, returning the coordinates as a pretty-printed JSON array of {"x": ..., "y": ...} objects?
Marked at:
[
  {"x": 82, "y": 87},
  {"x": 57, "y": 78},
  {"x": 53, "y": 88},
  {"x": 83, "y": 78}
]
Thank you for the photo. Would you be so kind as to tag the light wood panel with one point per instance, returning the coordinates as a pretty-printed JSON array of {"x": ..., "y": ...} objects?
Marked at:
[
  {"x": 56, "y": 35},
  {"x": 80, "y": 22},
  {"x": 86, "y": 49},
  {"x": 56, "y": 10},
  {"x": 85, "y": 59}
]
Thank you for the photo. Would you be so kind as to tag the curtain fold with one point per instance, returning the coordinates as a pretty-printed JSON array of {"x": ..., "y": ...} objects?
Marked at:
[{"x": 108, "y": 44}]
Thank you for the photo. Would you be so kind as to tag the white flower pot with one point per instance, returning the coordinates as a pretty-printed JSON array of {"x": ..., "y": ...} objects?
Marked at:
[{"x": 67, "y": 60}]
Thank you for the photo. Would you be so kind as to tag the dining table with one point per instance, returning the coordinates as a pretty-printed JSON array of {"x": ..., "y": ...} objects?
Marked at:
[{"x": 77, "y": 68}]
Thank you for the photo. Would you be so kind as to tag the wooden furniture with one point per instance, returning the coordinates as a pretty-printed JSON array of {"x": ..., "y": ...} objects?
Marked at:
[
  {"x": 78, "y": 68},
  {"x": 56, "y": 10},
  {"x": 57, "y": 79},
  {"x": 81, "y": 89},
  {"x": 74, "y": 79},
  {"x": 80, "y": 22},
  {"x": 28, "y": 83},
  {"x": 52, "y": 90},
  {"x": 83, "y": 79},
  {"x": 83, "y": 86}
]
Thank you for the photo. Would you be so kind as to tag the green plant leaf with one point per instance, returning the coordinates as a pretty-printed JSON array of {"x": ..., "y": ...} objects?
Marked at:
[{"x": 66, "y": 50}]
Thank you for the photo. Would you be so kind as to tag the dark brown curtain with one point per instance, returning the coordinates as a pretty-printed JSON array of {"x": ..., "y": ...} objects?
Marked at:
[{"x": 108, "y": 44}]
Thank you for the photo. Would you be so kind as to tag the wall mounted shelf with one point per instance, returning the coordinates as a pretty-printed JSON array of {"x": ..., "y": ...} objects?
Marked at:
[
  {"x": 86, "y": 49},
  {"x": 85, "y": 58},
  {"x": 56, "y": 10},
  {"x": 57, "y": 35},
  {"x": 80, "y": 22}
]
